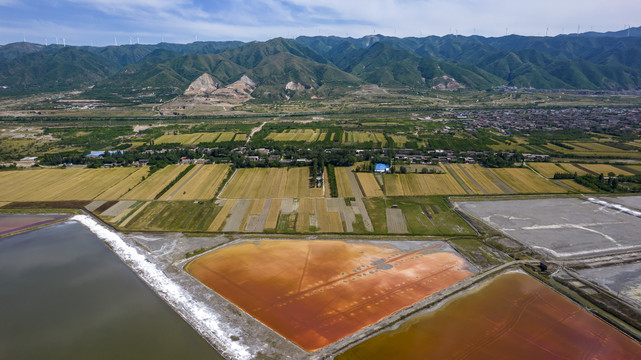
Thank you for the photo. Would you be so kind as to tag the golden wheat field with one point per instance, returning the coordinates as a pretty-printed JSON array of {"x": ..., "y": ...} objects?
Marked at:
[
  {"x": 484, "y": 179},
  {"x": 306, "y": 135},
  {"x": 578, "y": 187},
  {"x": 546, "y": 169},
  {"x": 197, "y": 138},
  {"x": 421, "y": 184},
  {"x": 359, "y": 137},
  {"x": 220, "y": 218},
  {"x": 605, "y": 169},
  {"x": 305, "y": 209},
  {"x": 572, "y": 168},
  {"x": 265, "y": 183},
  {"x": 272, "y": 216},
  {"x": 59, "y": 184},
  {"x": 369, "y": 185},
  {"x": 342, "y": 182},
  {"x": 150, "y": 187},
  {"x": 122, "y": 187},
  {"x": 458, "y": 172},
  {"x": 201, "y": 183},
  {"x": 525, "y": 181}
]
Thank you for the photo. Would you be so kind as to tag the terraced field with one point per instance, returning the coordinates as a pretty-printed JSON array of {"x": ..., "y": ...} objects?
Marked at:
[
  {"x": 59, "y": 184},
  {"x": 201, "y": 183},
  {"x": 264, "y": 183},
  {"x": 150, "y": 187},
  {"x": 306, "y": 135}
]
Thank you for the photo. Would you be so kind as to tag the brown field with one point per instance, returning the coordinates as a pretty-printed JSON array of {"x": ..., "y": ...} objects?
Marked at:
[
  {"x": 317, "y": 292},
  {"x": 201, "y": 183},
  {"x": 525, "y": 181},
  {"x": 150, "y": 187},
  {"x": 342, "y": 182},
  {"x": 123, "y": 186},
  {"x": 421, "y": 184},
  {"x": 265, "y": 183},
  {"x": 512, "y": 316},
  {"x": 546, "y": 169},
  {"x": 59, "y": 184},
  {"x": 369, "y": 185}
]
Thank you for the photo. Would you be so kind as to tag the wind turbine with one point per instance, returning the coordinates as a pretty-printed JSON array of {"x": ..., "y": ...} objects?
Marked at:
[
  {"x": 64, "y": 43},
  {"x": 115, "y": 41}
]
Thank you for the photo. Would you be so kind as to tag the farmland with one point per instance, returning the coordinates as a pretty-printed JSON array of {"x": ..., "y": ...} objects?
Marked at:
[
  {"x": 420, "y": 216},
  {"x": 594, "y": 150},
  {"x": 369, "y": 185},
  {"x": 197, "y": 138},
  {"x": 148, "y": 189},
  {"x": 172, "y": 216},
  {"x": 546, "y": 169},
  {"x": 521, "y": 318},
  {"x": 59, "y": 184},
  {"x": 201, "y": 183},
  {"x": 342, "y": 182},
  {"x": 306, "y": 135},
  {"x": 360, "y": 137},
  {"x": 525, "y": 181},
  {"x": 596, "y": 169},
  {"x": 317, "y": 292},
  {"x": 421, "y": 184},
  {"x": 263, "y": 183},
  {"x": 123, "y": 186}
]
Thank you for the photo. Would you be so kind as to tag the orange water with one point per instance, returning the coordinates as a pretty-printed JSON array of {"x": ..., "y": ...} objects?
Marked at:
[
  {"x": 317, "y": 292},
  {"x": 512, "y": 317}
]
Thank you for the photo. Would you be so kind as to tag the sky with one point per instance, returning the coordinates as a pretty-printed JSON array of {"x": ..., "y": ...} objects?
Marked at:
[{"x": 106, "y": 22}]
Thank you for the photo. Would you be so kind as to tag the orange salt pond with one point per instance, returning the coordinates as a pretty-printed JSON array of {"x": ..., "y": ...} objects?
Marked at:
[
  {"x": 512, "y": 316},
  {"x": 317, "y": 292}
]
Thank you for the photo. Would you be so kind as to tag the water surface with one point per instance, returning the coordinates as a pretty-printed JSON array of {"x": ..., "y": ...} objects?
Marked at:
[{"x": 65, "y": 295}]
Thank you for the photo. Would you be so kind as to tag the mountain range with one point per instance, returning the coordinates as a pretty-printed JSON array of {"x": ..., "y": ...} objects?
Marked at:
[{"x": 308, "y": 66}]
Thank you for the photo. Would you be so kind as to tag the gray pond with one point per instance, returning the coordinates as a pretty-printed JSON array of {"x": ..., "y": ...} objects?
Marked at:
[{"x": 65, "y": 295}]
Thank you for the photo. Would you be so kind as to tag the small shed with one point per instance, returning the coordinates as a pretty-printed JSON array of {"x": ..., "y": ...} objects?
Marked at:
[{"x": 381, "y": 168}]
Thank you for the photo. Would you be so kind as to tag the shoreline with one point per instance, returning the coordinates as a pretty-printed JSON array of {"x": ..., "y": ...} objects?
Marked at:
[{"x": 197, "y": 314}]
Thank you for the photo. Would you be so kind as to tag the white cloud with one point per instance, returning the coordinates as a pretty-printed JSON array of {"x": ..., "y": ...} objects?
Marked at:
[{"x": 181, "y": 20}]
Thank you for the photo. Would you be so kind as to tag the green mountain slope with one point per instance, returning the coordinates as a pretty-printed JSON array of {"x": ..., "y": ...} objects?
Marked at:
[{"x": 67, "y": 68}]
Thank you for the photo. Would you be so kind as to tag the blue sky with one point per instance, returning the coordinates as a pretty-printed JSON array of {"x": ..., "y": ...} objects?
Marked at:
[{"x": 103, "y": 22}]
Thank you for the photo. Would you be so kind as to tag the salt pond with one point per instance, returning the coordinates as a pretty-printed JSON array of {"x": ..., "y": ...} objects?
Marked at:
[{"x": 65, "y": 295}]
